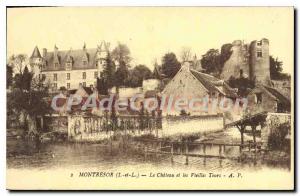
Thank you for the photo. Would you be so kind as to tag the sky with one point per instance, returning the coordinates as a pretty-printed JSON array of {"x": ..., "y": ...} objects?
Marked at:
[{"x": 151, "y": 32}]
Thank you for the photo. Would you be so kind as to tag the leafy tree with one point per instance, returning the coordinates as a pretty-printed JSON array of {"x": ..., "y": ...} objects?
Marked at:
[
  {"x": 9, "y": 76},
  {"x": 137, "y": 75},
  {"x": 121, "y": 54},
  {"x": 109, "y": 72},
  {"x": 121, "y": 75},
  {"x": 276, "y": 70},
  {"x": 170, "y": 65},
  {"x": 28, "y": 98},
  {"x": 102, "y": 86},
  {"x": 225, "y": 54},
  {"x": 242, "y": 84},
  {"x": 213, "y": 61}
]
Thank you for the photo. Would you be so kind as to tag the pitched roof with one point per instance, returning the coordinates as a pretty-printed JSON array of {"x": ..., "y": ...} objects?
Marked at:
[
  {"x": 36, "y": 53},
  {"x": 214, "y": 84},
  {"x": 76, "y": 56},
  {"x": 278, "y": 95}
]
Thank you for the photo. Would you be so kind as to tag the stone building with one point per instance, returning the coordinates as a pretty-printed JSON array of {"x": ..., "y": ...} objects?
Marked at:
[
  {"x": 191, "y": 84},
  {"x": 70, "y": 68},
  {"x": 252, "y": 58},
  {"x": 267, "y": 99}
]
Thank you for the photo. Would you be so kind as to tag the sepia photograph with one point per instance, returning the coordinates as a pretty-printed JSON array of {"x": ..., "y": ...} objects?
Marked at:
[{"x": 150, "y": 98}]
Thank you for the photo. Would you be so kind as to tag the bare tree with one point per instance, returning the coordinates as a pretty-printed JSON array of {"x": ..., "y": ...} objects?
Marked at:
[
  {"x": 18, "y": 63},
  {"x": 185, "y": 54}
]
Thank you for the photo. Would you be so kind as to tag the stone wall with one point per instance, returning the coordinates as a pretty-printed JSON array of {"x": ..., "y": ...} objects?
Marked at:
[{"x": 95, "y": 128}]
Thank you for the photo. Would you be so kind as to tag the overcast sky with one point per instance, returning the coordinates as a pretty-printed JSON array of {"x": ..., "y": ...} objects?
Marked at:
[{"x": 150, "y": 32}]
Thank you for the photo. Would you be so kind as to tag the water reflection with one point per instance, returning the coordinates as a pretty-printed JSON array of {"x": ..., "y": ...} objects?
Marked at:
[{"x": 24, "y": 154}]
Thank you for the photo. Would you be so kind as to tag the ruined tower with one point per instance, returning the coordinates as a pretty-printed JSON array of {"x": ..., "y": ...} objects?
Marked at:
[
  {"x": 260, "y": 61},
  {"x": 239, "y": 60}
]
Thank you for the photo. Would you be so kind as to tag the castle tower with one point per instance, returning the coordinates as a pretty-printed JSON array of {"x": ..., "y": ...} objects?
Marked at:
[
  {"x": 260, "y": 61},
  {"x": 36, "y": 61},
  {"x": 101, "y": 55},
  {"x": 239, "y": 60}
]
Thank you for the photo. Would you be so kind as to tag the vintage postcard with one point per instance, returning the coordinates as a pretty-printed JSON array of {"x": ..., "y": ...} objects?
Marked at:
[{"x": 150, "y": 98}]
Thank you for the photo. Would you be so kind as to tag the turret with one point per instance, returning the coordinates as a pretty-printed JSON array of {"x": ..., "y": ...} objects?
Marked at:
[
  {"x": 101, "y": 55},
  {"x": 36, "y": 61}
]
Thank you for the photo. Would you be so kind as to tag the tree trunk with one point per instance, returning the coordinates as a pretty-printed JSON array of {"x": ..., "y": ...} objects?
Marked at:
[{"x": 32, "y": 126}]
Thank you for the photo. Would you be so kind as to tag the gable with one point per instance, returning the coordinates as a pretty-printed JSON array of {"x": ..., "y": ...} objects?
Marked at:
[{"x": 185, "y": 84}]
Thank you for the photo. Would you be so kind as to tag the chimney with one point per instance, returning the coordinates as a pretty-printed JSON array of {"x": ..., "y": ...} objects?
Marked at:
[{"x": 44, "y": 52}]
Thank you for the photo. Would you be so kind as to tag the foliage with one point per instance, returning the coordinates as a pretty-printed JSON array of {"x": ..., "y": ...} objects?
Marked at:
[
  {"x": 102, "y": 86},
  {"x": 276, "y": 140},
  {"x": 137, "y": 75},
  {"x": 29, "y": 94},
  {"x": 9, "y": 76},
  {"x": 170, "y": 65},
  {"x": 213, "y": 61},
  {"x": 121, "y": 75},
  {"x": 121, "y": 54},
  {"x": 276, "y": 70},
  {"x": 108, "y": 72},
  {"x": 242, "y": 84}
]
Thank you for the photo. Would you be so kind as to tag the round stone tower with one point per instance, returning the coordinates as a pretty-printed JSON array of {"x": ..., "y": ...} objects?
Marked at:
[
  {"x": 239, "y": 60},
  {"x": 260, "y": 61},
  {"x": 36, "y": 61}
]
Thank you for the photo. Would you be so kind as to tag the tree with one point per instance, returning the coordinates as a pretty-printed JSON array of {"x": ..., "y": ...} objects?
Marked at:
[
  {"x": 211, "y": 61},
  {"x": 102, "y": 86},
  {"x": 121, "y": 54},
  {"x": 137, "y": 75},
  {"x": 109, "y": 72},
  {"x": 9, "y": 76},
  {"x": 170, "y": 65},
  {"x": 225, "y": 54},
  {"x": 276, "y": 70},
  {"x": 121, "y": 75},
  {"x": 18, "y": 62},
  {"x": 28, "y": 98},
  {"x": 185, "y": 54},
  {"x": 242, "y": 84}
]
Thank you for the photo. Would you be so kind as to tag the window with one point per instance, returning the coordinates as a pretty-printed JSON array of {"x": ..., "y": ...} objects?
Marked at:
[
  {"x": 55, "y": 85},
  {"x": 68, "y": 76},
  {"x": 259, "y": 54},
  {"x": 259, "y": 43},
  {"x": 83, "y": 75},
  {"x": 55, "y": 77},
  {"x": 84, "y": 84},
  {"x": 96, "y": 74},
  {"x": 43, "y": 76},
  {"x": 258, "y": 98},
  {"x": 55, "y": 65},
  {"x": 84, "y": 62},
  {"x": 68, "y": 85}
]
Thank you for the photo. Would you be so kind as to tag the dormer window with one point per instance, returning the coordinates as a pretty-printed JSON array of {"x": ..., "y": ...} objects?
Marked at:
[
  {"x": 56, "y": 65},
  {"x": 84, "y": 62}
]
